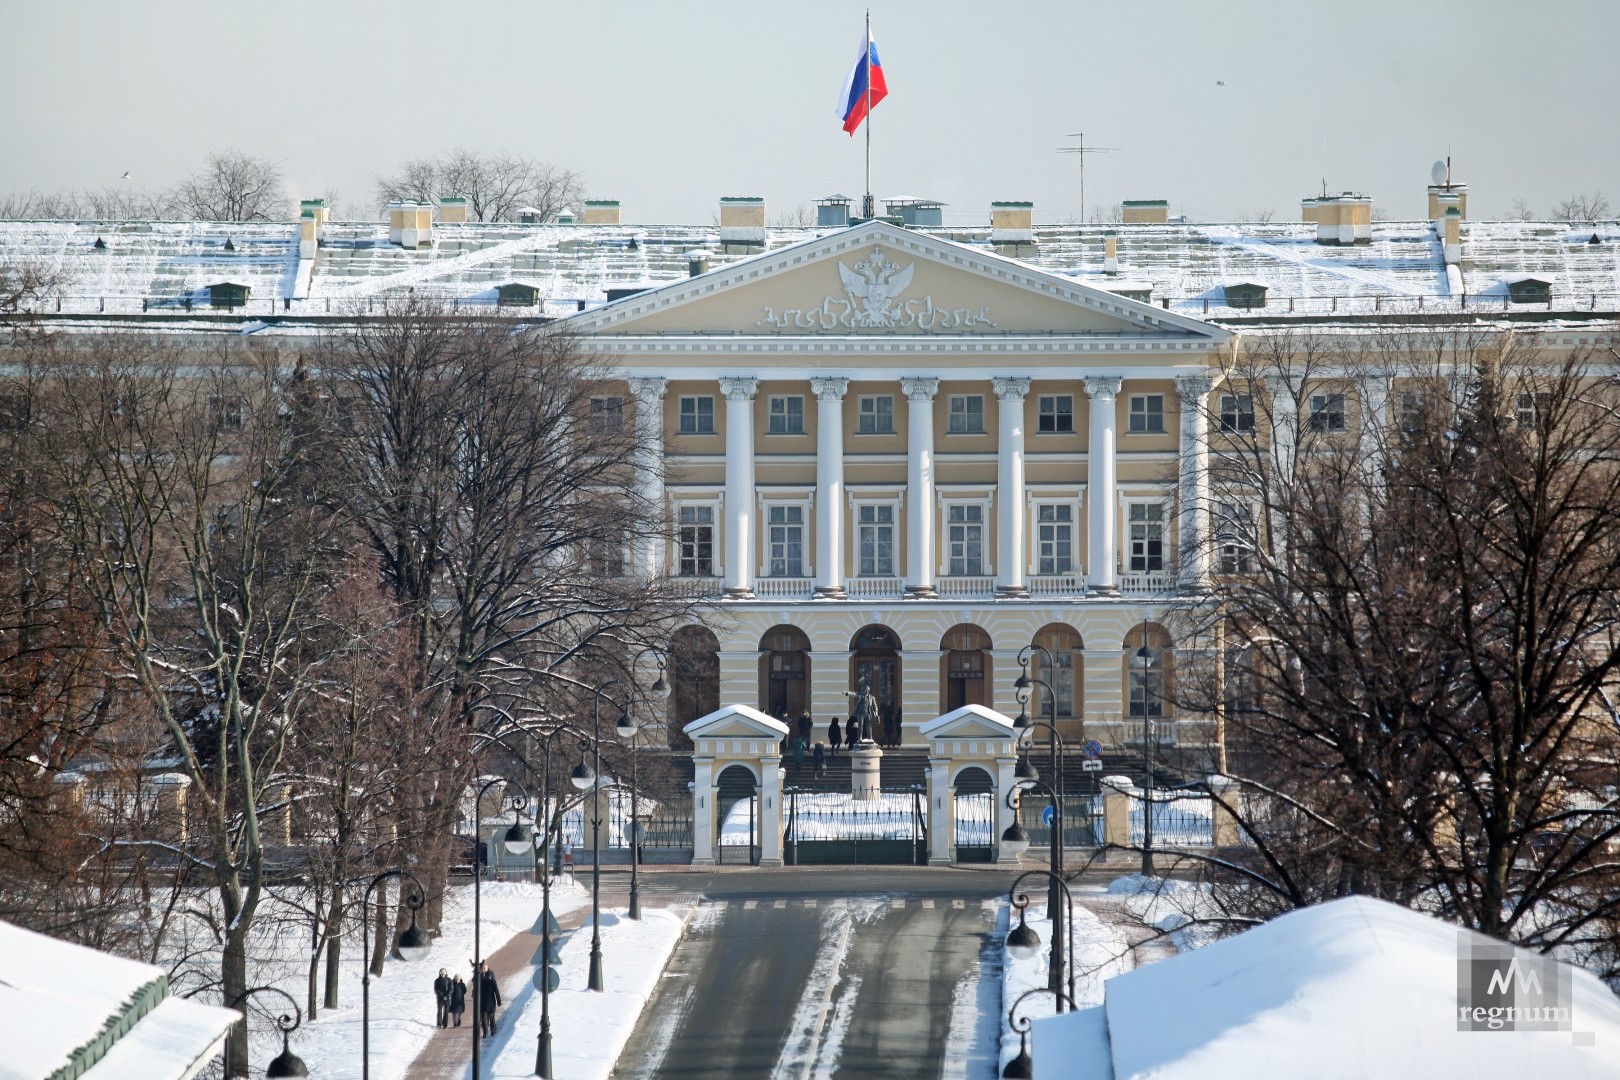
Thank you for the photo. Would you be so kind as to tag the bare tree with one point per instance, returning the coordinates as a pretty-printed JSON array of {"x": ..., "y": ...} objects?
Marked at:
[
  {"x": 495, "y": 186},
  {"x": 1417, "y": 631},
  {"x": 1520, "y": 211},
  {"x": 233, "y": 186},
  {"x": 799, "y": 217},
  {"x": 1578, "y": 207},
  {"x": 1260, "y": 216}
]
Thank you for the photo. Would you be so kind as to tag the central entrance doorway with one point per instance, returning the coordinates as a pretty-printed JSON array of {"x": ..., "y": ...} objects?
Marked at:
[
  {"x": 966, "y": 661},
  {"x": 875, "y": 659},
  {"x": 785, "y": 672}
]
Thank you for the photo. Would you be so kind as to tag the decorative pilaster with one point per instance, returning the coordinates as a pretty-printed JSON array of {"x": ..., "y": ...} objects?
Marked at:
[
  {"x": 649, "y": 395},
  {"x": 1101, "y": 500},
  {"x": 830, "y": 485},
  {"x": 1194, "y": 538},
  {"x": 1010, "y": 553},
  {"x": 920, "y": 485},
  {"x": 739, "y": 393}
]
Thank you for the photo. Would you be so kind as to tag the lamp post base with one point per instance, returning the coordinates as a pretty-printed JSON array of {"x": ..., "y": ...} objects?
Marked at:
[{"x": 595, "y": 982}]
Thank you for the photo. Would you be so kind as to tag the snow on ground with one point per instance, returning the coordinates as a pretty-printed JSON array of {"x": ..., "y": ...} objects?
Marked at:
[
  {"x": 1101, "y": 951},
  {"x": 1171, "y": 905},
  {"x": 831, "y": 816}
]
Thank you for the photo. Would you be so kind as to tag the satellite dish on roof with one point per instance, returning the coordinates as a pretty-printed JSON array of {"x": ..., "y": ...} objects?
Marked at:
[{"x": 1438, "y": 172}]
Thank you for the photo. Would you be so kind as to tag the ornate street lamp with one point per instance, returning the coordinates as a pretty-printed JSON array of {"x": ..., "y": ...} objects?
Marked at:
[
  {"x": 286, "y": 1063},
  {"x": 516, "y": 840},
  {"x": 413, "y": 944},
  {"x": 1022, "y": 1067}
]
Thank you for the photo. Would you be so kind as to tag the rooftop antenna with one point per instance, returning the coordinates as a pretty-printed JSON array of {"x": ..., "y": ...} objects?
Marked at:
[
  {"x": 1082, "y": 150},
  {"x": 1324, "y": 165}
]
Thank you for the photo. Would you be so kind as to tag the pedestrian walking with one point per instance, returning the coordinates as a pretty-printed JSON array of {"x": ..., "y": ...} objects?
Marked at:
[
  {"x": 441, "y": 995},
  {"x": 489, "y": 996},
  {"x": 798, "y": 755},
  {"x": 458, "y": 1000},
  {"x": 835, "y": 735},
  {"x": 819, "y": 759},
  {"x": 806, "y": 727}
]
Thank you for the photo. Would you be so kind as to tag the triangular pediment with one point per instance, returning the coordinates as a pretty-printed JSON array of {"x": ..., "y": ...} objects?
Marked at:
[
  {"x": 881, "y": 280},
  {"x": 969, "y": 722},
  {"x": 736, "y": 722}
]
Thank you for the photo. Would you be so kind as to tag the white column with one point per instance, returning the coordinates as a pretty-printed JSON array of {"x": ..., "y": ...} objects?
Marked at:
[
  {"x": 941, "y": 812},
  {"x": 703, "y": 810},
  {"x": 920, "y": 485},
  {"x": 830, "y": 485},
  {"x": 649, "y": 394},
  {"x": 1194, "y": 538},
  {"x": 1006, "y": 777},
  {"x": 1284, "y": 414},
  {"x": 770, "y": 810},
  {"x": 1010, "y": 553},
  {"x": 1374, "y": 416},
  {"x": 739, "y": 486},
  {"x": 1101, "y": 563}
]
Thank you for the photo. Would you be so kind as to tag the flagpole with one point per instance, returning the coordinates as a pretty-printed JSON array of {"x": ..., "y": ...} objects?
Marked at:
[{"x": 869, "y": 208}]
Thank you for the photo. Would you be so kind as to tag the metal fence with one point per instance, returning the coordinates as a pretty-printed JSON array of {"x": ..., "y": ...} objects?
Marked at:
[
  {"x": 1178, "y": 820},
  {"x": 973, "y": 832},
  {"x": 1082, "y": 821},
  {"x": 825, "y": 827}
]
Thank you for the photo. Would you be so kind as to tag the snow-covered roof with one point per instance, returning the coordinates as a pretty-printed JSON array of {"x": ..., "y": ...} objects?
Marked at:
[
  {"x": 157, "y": 265},
  {"x": 1353, "y": 988},
  {"x": 64, "y": 1006}
]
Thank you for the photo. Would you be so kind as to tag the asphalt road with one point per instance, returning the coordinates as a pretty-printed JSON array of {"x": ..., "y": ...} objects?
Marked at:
[{"x": 818, "y": 974}]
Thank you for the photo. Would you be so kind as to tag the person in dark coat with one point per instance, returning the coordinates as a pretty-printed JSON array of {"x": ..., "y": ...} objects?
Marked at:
[
  {"x": 835, "y": 735},
  {"x": 441, "y": 994},
  {"x": 458, "y": 999},
  {"x": 819, "y": 759},
  {"x": 489, "y": 996},
  {"x": 806, "y": 727},
  {"x": 798, "y": 754}
]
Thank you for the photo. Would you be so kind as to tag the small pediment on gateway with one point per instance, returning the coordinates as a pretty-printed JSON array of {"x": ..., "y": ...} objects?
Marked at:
[
  {"x": 736, "y": 722},
  {"x": 969, "y": 722},
  {"x": 879, "y": 279}
]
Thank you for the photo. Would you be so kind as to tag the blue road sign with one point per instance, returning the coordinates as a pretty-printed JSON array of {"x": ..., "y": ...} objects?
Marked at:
[
  {"x": 1092, "y": 749},
  {"x": 1046, "y": 817}
]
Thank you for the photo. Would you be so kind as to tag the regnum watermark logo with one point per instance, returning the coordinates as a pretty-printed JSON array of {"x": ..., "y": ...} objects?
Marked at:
[{"x": 1500, "y": 988}]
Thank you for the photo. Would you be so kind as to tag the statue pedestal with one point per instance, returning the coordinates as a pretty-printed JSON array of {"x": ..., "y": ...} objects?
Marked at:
[{"x": 865, "y": 771}]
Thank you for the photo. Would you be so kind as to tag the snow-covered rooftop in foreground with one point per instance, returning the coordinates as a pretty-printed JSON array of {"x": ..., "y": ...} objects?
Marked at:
[
  {"x": 1354, "y": 988},
  {"x": 163, "y": 266},
  {"x": 57, "y": 998}
]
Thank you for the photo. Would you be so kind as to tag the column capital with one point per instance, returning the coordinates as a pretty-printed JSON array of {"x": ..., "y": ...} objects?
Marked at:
[
  {"x": 1196, "y": 385},
  {"x": 1103, "y": 387},
  {"x": 1012, "y": 388},
  {"x": 830, "y": 388},
  {"x": 739, "y": 388},
  {"x": 649, "y": 390},
  {"x": 920, "y": 389}
]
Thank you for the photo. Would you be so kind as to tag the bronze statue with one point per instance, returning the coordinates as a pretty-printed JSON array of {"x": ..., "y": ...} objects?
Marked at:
[{"x": 863, "y": 719}]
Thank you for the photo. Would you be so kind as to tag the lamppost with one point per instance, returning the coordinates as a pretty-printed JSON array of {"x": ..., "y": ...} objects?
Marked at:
[
  {"x": 627, "y": 730},
  {"x": 516, "y": 841},
  {"x": 1146, "y": 656},
  {"x": 412, "y": 945},
  {"x": 1015, "y": 840},
  {"x": 286, "y": 1063},
  {"x": 1022, "y": 1067},
  {"x": 1021, "y": 686},
  {"x": 585, "y": 778}
]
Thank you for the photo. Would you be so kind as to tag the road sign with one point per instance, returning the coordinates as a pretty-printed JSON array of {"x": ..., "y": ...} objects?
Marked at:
[
  {"x": 1092, "y": 749},
  {"x": 1091, "y": 765},
  {"x": 550, "y": 976},
  {"x": 1046, "y": 817}
]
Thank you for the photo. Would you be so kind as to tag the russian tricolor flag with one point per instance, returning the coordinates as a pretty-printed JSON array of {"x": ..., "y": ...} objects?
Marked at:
[{"x": 855, "y": 102}]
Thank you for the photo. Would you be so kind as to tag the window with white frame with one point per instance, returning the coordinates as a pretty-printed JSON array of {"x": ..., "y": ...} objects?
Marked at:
[
  {"x": 786, "y": 415},
  {"x": 1532, "y": 409},
  {"x": 697, "y": 415},
  {"x": 967, "y": 414},
  {"x": 1055, "y": 413},
  {"x": 1147, "y": 413},
  {"x": 1145, "y": 525},
  {"x": 604, "y": 557},
  {"x": 695, "y": 538},
  {"x": 1327, "y": 413},
  {"x": 785, "y": 529},
  {"x": 1234, "y": 538},
  {"x": 964, "y": 535},
  {"x": 607, "y": 415},
  {"x": 1237, "y": 413},
  {"x": 1054, "y": 538},
  {"x": 876, "y": 415},
  {"x": 875, "y": 536},
  {"x": 226, "y": 411}
]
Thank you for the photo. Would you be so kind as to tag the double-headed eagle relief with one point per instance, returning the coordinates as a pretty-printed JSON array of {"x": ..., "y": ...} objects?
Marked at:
[{"x": 872, "y": 300}]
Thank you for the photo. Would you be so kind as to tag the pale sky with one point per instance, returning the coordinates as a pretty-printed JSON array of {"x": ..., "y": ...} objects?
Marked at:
[{"x": 667, "y": 106}]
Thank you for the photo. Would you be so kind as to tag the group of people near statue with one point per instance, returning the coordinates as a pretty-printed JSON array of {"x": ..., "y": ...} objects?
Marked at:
[
  {"x": 846, "y": 733},
  {"x": 451, "y": 995}
]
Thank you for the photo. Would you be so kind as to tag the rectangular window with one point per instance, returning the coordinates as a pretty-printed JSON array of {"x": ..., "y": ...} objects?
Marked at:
[
  {"x": 1063, "y": 681},
  {"x": 1237, "y": 413},
  {"x": 1412, "y": 410},
  {"x": 1532, "y": 410},
  {"x": 1147, "y": 687},
  {"x": 876, "y": 527},
  {"x": 787, "y": 416},
  {"x": 1147, "y": 413},
  {"x": 604, "y": 558},
  {"x": 1146, "y": 537},
  {"x": 1056, "y": 413},
  {"x": 1054, "y": 538},
  {"x": 1234, "y": 538},
  {"x": 607, "y": 415},
  {"x": 877, "y": 415},
  {"x": 225, "y": 411},
  {"x": 967, "y": 414},
  {"x": 786, "y": 556},
  {"x": 697, "y": 415},
  {"x": 696, "y": 539},
  {"x": 965, "y": 537},
  {"x": 1327, "y": 412}
]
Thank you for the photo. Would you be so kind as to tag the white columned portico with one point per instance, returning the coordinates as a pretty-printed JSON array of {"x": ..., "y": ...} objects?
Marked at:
[
  {"x": 1011, "y": 556},
  {"x": 649, "y": 395},
  {"x": 1101, "y": 541},
  {"x": 739, "y": 394},
  {"x": 920, "y": 485},
  {"x": 830, "y": 485},
  {"x": 1194, "y": 538}
]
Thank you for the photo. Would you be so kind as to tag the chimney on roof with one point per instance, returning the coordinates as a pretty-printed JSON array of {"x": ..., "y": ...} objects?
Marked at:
[
  {"x": 410, "y": 224},
  {"x": 1110, "y": 252},
  {"x": 697, "y": 262},
  {"x": 318, "y": 207},
  {"x": 308, "y": 234},
  {"x": 1012, "y": 223},
  {"x": 1339, "y": 219},
  {"x": 452, "y": 210},
  {"x": 1451, "y": 236},
  {"x": 1145, "y": 211},
  {"x": 833, "y": 211},
  {"x": 601, "y": 212},
  {"x": 742, "y": 220}
]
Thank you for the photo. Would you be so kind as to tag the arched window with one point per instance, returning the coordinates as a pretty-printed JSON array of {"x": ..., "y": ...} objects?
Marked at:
[
  {"x": 1148, "y": 667},
  {"x": 875, "y": 657},
  {"x": 966, "y": 667},
  {"x": 1066, "y": 676},
  {"x": 694, "y": 676},
  {"x": 784, "y": 672}
]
